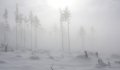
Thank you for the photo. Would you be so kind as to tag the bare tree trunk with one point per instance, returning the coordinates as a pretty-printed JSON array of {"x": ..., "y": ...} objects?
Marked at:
[
  {"x": 5, "y": 41},
  {"x": 62, "y": 43},
  {"x": 69, "y": 47},
  {"x": 24, "y": 35},
  {"x": 5, "y": 36},
  {"x": 36, "y": 38},
  {"x": 16, "y": 37},
  {"x": 83, "y": 42},
  {"x": 31, "y": 37}
]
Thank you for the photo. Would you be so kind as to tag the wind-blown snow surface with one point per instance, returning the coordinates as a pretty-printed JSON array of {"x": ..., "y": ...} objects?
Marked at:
[{"x": 47, "y": 61}]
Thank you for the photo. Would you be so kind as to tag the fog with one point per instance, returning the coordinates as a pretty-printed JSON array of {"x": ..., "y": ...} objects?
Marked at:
[{"x": 99, "y": 19}]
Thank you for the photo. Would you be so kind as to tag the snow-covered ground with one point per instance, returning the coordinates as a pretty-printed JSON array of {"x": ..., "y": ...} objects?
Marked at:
[{"x": 46, "y": 61}]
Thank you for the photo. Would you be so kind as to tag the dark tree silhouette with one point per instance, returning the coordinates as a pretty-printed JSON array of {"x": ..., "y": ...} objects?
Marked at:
[
  {"x": 65, "y": 17},
  {"x": 17, "y": 21},
  {"x": 31, "y": 18},
  {"x": 61, "y": 26},
  {"x": 6, "y": 28},
  {"x": 5, "y": 15},
  {"x": 82, "y": 35},
  {"x": 19, "y": 18},
  {"x": 36, "y": 25}
]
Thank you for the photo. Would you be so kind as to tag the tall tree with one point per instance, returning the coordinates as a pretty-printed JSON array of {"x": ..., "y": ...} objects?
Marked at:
[
  {"x": 19, "y": 18},
  {"x": 36, "y": 25},
  {"x": 61, "y": 26},
  {"x": 21, "y": 30},
  {"x": 25, "y": 19},
  {"x": 5, "y": 16},
  {"x": 6, "y": 28},
  {"x": 65, "y": 17},
  {"x": 17, "y": 21},
  {"x": 82, "y": 35},
  {"x": 31, "y": 18},
  {"x": 92, "y": 36}
]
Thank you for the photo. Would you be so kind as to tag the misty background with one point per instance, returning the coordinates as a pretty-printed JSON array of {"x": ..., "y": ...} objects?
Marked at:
[{"x": 98, "y": 18}]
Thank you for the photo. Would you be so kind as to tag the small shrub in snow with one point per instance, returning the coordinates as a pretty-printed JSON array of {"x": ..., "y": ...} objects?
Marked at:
[
  {"x": 51, "y": 67},
  {"x": 86, "y": 54},
  {"x": 118, "y": 62},
  {"x": 51, "y": 57},
  {"x": 102, "y": 64},
  {"x": 2, "y": 62},
  {"x": 34, "y": 57}
]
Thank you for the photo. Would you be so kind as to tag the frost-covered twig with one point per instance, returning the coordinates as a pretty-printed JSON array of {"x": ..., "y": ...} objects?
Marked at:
[{"x": 51, "y": 67}]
